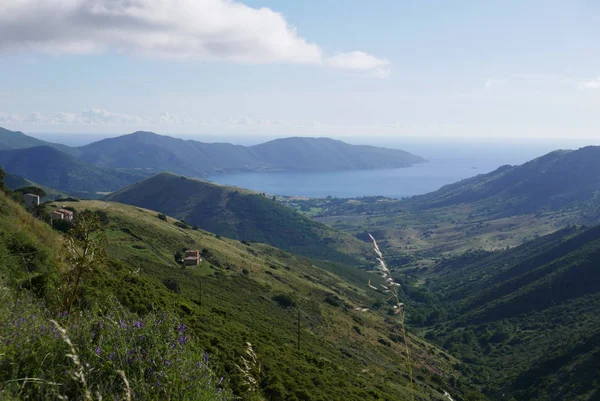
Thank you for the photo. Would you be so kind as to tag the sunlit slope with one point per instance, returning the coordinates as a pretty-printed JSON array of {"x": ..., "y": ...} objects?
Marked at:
[
  {"x": 242, "y": 215},
  {"x": 254, "y": 293}
]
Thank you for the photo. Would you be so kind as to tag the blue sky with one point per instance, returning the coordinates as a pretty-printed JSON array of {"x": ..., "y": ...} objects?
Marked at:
[{"x": 344, "y": 68}]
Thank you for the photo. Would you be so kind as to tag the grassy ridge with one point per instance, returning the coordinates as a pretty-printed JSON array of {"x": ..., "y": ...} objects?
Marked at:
[{"x": 242, "y": 215}]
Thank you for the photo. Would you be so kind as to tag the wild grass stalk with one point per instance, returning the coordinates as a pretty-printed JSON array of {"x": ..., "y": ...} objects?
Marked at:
[
  {"x": 103, "y": 354},
  {"x": 391, "y": 288}
]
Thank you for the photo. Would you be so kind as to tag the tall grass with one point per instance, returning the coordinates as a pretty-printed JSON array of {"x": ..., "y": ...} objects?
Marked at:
[
  {"x": 391, "y": 288},
  {"x": 104, "y": 354}
]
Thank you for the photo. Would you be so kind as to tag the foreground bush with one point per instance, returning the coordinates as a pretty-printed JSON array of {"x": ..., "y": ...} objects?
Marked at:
[{"x": 102, "y": 355}]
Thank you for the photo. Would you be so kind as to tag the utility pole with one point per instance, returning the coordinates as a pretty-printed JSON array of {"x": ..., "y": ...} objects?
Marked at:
[{"x": 298, "y": 329}]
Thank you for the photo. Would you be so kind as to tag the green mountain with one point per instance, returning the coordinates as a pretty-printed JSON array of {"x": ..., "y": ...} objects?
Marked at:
[
  {"x": 18, "y": 140},
  {"x": 52, "y": 168},
  {"x": 123, "y": 159},
  {"x": 325, "y": 154},
  {"x": 241, "y": 214},
  {"x": 525, "y": 319},
  {"x": 298, "y": 314},
  {"x": 559, "y": 180},
  {"x": 158, "y": 153}
]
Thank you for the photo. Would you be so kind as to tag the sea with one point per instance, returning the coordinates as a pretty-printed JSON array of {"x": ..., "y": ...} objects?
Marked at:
[{"x": 448, "y": 162}]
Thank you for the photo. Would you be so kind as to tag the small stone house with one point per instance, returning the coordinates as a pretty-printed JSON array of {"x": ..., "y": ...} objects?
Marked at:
[
  {"x": 31, "y": 200},
  {"x": 61, "y": 214},
  {"x": 192, "y": 258}
]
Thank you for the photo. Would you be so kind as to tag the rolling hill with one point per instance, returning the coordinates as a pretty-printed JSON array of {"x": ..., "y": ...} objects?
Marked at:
[
  {"x": 158, "y": 153},
  {"x": 241, "y": 214},
  {"x": 239, "y": 293},
  {"x": 142, "y": 154},
  {"x": 325, "y": 154},
  {"x": 525, "y": 318},
  {"x": 52, "y": 168}
]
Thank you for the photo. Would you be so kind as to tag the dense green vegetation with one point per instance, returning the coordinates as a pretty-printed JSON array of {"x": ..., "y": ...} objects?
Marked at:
[
  {"x": 240, "y": 293},
  {"x": 243, "y": 215},
  {"x": 524, "y": 320}
]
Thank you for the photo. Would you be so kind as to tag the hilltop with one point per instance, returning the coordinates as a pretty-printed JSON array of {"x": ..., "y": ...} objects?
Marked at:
[
  {"x": 242, "y": 215},
  {"x": 240, "y": 293}
]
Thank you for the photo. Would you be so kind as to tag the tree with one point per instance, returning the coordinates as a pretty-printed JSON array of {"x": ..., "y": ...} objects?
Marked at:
[
  {"x": 84, "y": 251},
  {"x": 32, "y": 190},
  {"x": 2, "y": 176}
]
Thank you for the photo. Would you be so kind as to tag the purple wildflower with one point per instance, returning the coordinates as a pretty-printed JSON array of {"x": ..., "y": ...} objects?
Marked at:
[
  {"x": 138, "y": 324},
  {"x": 98, "y": 350},
  {"x": 205, "y": 357},
  {"x": 182, "y": 340},
  {"x": 181, "y": 328},
  {"x": 122, "y": 324}
]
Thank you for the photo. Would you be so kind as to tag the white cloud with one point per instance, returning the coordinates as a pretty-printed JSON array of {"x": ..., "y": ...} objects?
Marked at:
[
  {"x": 101, "y": 116},
  {"x": 9, "y": 118},
  {"x": 35, "y": 118},
  {"x": 590, "y": 84},
  {"x": 356, "y": 61},
  {"x": 65, "y": 118},
  {"x": 207, "y": 30}
]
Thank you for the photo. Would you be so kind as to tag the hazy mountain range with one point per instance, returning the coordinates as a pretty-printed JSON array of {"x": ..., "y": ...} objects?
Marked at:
[{"x": 111, "y": 163}]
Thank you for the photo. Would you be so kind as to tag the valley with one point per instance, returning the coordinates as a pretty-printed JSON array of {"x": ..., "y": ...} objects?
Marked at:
[{"x": 488, "y": 274}]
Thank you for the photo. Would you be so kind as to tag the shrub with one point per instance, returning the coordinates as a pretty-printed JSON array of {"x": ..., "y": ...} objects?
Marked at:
[
  {"x": 162, "y": 216},
  {"x": 172, "y": 284},
  {"x": 284, "y": 300},
  {"x": 110, "y": 354}
]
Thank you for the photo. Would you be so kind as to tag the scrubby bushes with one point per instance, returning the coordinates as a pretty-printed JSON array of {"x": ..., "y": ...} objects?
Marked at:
[{"x": 105, "y": 353}]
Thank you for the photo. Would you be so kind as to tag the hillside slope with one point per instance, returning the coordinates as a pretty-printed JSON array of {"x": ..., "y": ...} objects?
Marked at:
[
  {"x": 506, "y": 207},
  {"x": 240, "y": 294},
  {"x": 55, "y": 169},
  {"x": 243, "y": 215},
  {"x": 526, "y": 318},
  {"x": 558, "y": 180},
  {"x": 18, "y": 140}
]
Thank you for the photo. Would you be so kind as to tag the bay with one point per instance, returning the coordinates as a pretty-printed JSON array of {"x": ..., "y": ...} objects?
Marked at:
[{"x": 394, "y": 183}]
